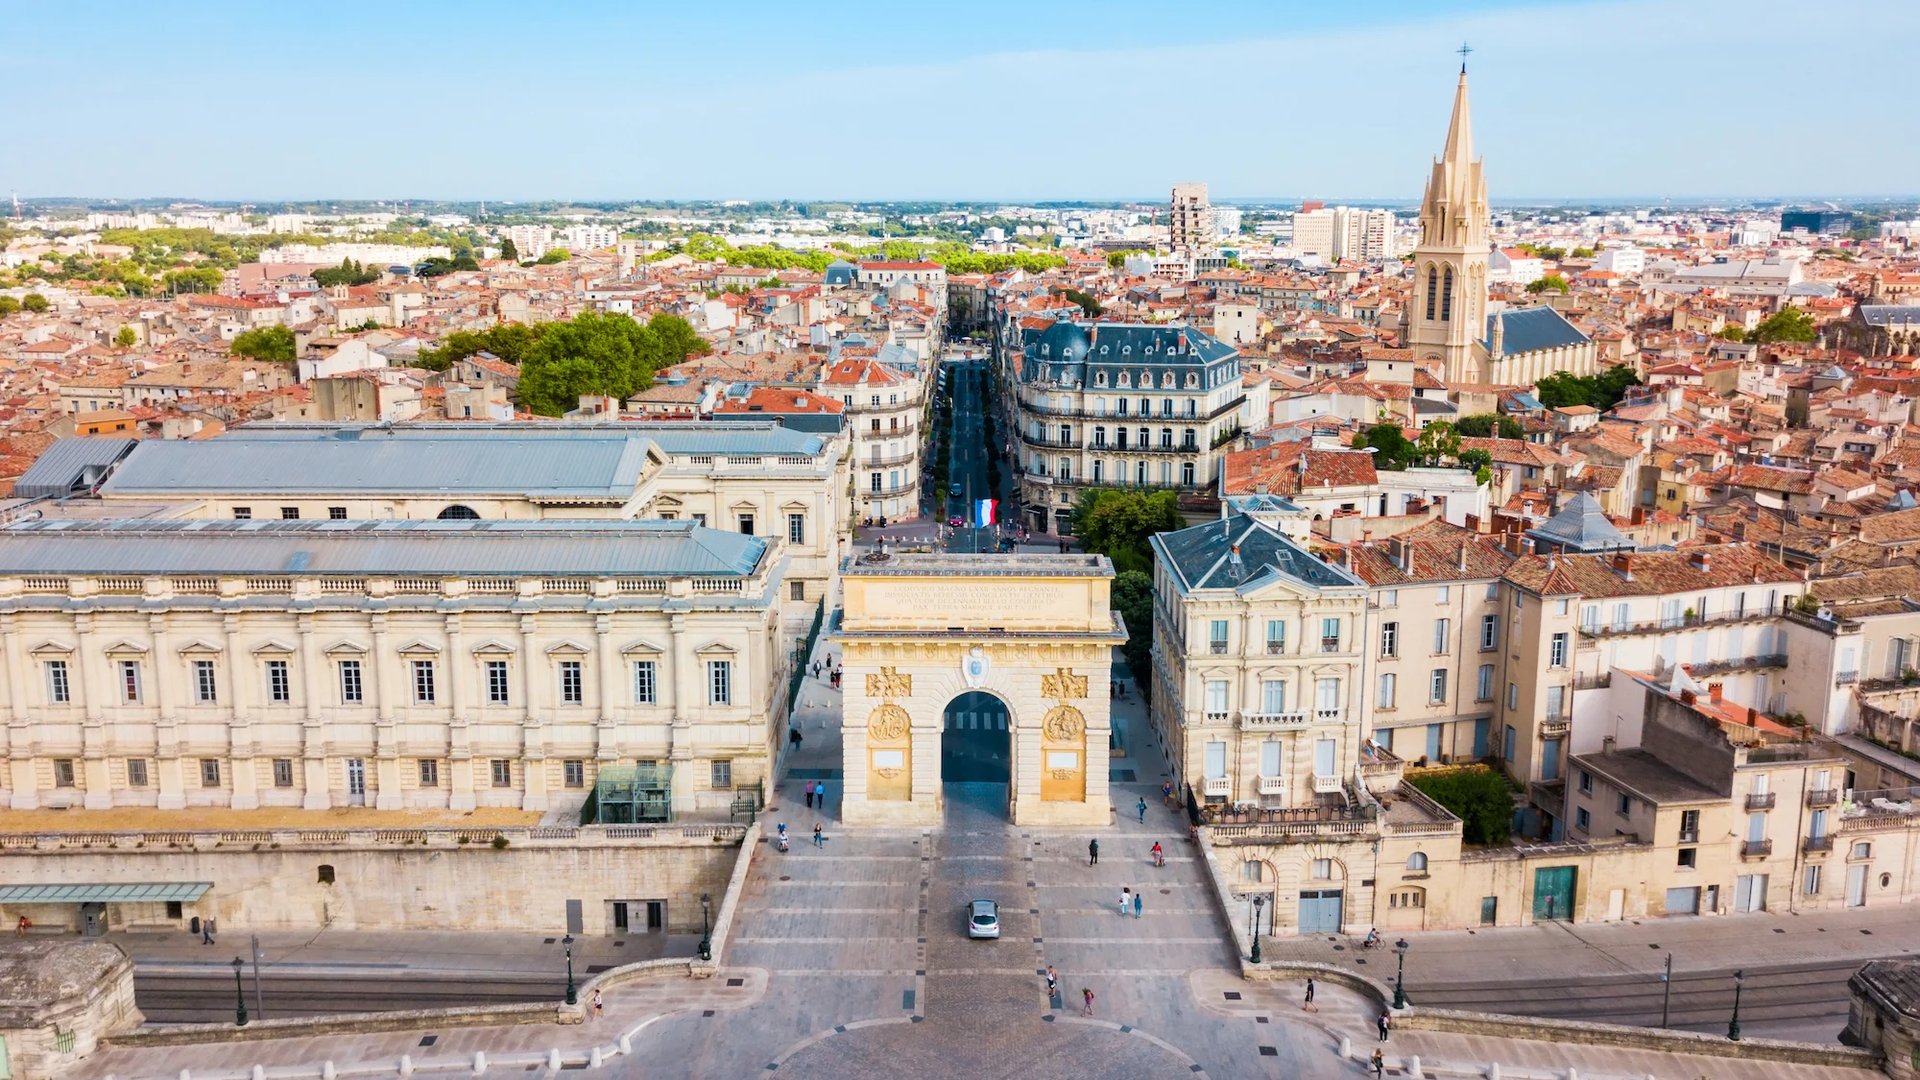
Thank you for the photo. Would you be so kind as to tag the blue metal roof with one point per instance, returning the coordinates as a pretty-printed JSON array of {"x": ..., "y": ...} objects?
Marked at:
[
  {"x": 744, "y": 435},
  {"x": 70, "y": 465},
  {"x": 1202, "y": 557},
  {"x": 1526, "y": 330}
]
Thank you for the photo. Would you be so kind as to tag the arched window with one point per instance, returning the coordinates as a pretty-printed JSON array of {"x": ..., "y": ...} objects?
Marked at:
[
  {"x": 457, "y": 512},
  {"x": 1099, "y": 378},
  {"x": 1433, "y": 289},
  {"x": 1417, "y": 862},
  {"x": 1193, "y": 381},
  {"x": 1252, "y": 870},
  {"x": 1446, "y": 296},
  {"x": 1126, "y": 380},
  {"x": 1166, "y": 380}
]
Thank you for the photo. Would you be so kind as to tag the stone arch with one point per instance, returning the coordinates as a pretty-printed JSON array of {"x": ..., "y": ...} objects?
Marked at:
[{"x": 458, "y": 512}]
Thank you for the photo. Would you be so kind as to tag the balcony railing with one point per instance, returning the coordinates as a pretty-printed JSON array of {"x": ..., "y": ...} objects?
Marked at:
[
  {"x": 1328, "y": 716},
  {"x": 1756, "y": 849},
  {"x": 1555, "y": 727},
  {"x": 1739, "y": 663},
  {"x": 1216, "y": 717},
  {"x": 1845, "y": 678},
  {"x": 1276, "y": 648},
  {"x": 1823, "y": 797},
  {"x": 1814, "y": 844},
  {"x": 1273, "y": 785},
  {"x": 1593, "y": 682},
  {"x": 1054, "y": 442},
  {"x": 1217, "y": 648},
  {"x": 1680, "y": 622},
  {"x": 1761, "y": 801},
  {"x": 1217, "y": 787},
  {"x": 1324, "y": 785},
  {"x": 1329, "y": 644},
  {"x": 1275, "y": 721}
]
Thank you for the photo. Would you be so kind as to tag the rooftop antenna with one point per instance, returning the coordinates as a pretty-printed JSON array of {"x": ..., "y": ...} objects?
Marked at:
[{"x": 1463, "y": 50}]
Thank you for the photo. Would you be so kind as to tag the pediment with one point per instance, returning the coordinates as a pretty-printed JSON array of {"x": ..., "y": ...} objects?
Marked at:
[
  {"x": 274, "y": 646},
  {"x": 642, "y": 647},
  {"x": 494, "y": 647},
  {"x": 568, "y": 647},
  {"x": 420, "y": 646}
]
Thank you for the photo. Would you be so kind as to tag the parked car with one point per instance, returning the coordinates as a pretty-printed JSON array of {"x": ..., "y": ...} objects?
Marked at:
[{"x": 983, "y": 919}]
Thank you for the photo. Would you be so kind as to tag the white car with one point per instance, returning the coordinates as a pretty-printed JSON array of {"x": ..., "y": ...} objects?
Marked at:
[{"x": 983, "y": 919}]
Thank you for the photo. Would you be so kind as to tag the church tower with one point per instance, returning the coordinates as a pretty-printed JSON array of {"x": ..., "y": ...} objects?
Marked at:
[{"x": 1447, "y": 308}]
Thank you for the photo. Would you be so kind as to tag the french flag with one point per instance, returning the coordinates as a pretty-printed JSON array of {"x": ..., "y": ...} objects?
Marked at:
[{"x": 983, "y": 512}]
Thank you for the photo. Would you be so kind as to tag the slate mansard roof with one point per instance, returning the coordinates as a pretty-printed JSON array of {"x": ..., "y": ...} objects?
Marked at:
[
  {"x": 1202, "y": 557},
  {"x": 378, "y": 548},
  {"x": 1525, "y": 330},
  {"x": 1076, "y": 349}
]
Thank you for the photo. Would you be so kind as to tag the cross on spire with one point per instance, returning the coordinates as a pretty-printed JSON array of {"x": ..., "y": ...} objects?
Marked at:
[{"x": 1463, "y": 50}]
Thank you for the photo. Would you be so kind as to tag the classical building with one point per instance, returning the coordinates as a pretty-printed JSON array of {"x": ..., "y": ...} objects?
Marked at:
[
  {"x": 1119, "y": 404},
  {"x": 755, "y": 478},
  {"x": 883, "y": 407},
  {"x": 976, "y": 667},
  {"x": 1447, "y": 321},
  {"x": 398, "y": 663}
]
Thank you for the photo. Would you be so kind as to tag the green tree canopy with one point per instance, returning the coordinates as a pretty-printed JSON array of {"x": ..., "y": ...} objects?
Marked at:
[
  {"x": 1087, "y": 303},
  {"x": 1787, "y": 324},
  {"x": 437, "y": 265},
  {"x": 1731, "y": 332},
  {"x": 348, "y": 272},
  {"x": 556, "y": 255},
  {"x": 8, "y": 306},
  {"x": 265, "y": 343},
  {"x": 509, "y": 251},
  {"x": 1391, "y": 450},
  {"x": 126, "y": 337},
  {"x": 34, "y": 302},
  {"x": 597, "y": 353},
  {"x": 1602, "y": 391},
  {"x": 1438, "y": 443},
  {"x": 1133, "y": 599},
  {"x": 1489, "y": 426},
  {"x": 198, "y": 279},
  {"x": 1552, "y": 282},
  {"x": 1116, "y": 522},
  {"x": 1480, "y": 797}
]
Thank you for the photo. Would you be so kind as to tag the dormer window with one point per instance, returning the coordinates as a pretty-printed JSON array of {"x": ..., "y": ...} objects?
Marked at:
[
  {"x": 1099, "y": 378},
  {"x": 1193, "y": 381},
  {"x": 1043, "y": 349},
  {"x": 1166, "y": 380},
  {"x": 1126, "y": 380},
  {"x": 1126, "y": 350}
]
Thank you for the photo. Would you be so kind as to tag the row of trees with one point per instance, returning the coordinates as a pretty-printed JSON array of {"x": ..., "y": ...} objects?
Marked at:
[
  {"x": 1787, "y": 324},
  {"x": 957, "y": 257},
  {"x": 596, "y": 353},
  {"x": 349, "y": 272},
  {"x": 32, "y": 302},
  {"x": 1602, "y": 390}
]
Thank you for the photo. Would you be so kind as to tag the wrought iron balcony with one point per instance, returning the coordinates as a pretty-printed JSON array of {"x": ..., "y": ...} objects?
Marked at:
[
  {"x": 1815, "y": 844},
  {"x": 1761, "y": 801},
  {"x": 1756, "y": 849},
  {"x": 1823, "y": 796}
]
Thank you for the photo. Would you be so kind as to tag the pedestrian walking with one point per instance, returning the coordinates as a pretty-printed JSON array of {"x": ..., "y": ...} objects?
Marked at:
[
  {"x": 1053, "y": 983},
  {"x": 1093, "y": 853},
  {"x": 1308, "y": 1003},
  {"x": 1142, "y": 808},
  {"x": 793, "y": 737},
  {"x": 206, "y": 932},
  {"x": 1138, "y": 903},
  {"x": 1385, "y": 1022},
  {"x": 1086, "y": 995},
  {"x": 1126, "y": 899},
  {"x": 599, "y": 1003},
  {"x": 820, "y": 794},
  {"x": 1379, "y": 1063},
  {"x": 809, "y": 794},
  {"x": 816, "y": 669},
  {"x": 818, "y": 839}
]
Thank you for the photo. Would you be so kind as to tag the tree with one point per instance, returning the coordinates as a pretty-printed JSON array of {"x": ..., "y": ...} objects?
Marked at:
[
  {"x": 1731, "y": 332},
  {"x": 200, "y": 279},
  {"x": 1489, "y": 426},
  {"x": 1133, "y": 599},
  {"x": 1087, "y": 303},
  {"x": 1602, "y": 391},
  {"x": 1116, "y": 523},
  {"x": 34, "y": 302},
  {"x": 1553, "y": 282},
  {"x": 1583, "y": 253},
  {"x": 1787, "y": 324},
  {"x": 126, "y": 337},
  {"x": 1438, "y": 442},
  {"x": 347, "y": 273},
  {"x": 8, "y": 306},
  {"x": 557, "y": 255},
  {"x": 265, "y": 343},
  {"x": 600, "y": 354},
  {"x": 1480, "y": 797},
  {"x": 509, "y": 251},
  {"x": 1391, "y": 450}
]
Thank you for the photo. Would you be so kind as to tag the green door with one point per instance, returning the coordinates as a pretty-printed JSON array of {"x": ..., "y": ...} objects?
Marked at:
[{"x": 1553, "y": 893}]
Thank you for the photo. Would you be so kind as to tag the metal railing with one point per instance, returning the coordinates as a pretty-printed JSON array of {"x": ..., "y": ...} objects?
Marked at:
[
  {"x": 1275, "y": 721},
  {"x": 1823, "y": 797},
  {"x": 1816, "y": 843},
  {"x": 1761, "y": 801},
  {"x": 1845, "y": 678},
  {"x": 1756, "y": 849}
]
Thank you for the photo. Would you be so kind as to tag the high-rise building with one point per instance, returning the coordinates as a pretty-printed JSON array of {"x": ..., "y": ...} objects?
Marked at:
[
  {"x": 1343, "y": 232},
  {"x": 1190, "y": 224}
]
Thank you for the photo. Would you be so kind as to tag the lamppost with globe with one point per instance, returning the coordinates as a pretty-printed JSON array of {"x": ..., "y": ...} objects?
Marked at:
[
  {"x": 1253, "y": 926},
  {"x": 239, "y": 995},
  {"x": 1733, "y": 1026},
  {"x": 573, "y": 995},
  {"x": 1400, "y": 976},
  {"x": 706, "y": 933}
]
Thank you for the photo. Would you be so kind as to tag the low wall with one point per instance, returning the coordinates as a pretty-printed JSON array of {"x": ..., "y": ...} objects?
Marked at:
[
  {"x": 1665, "y": 1041},
  {"x": 483, "y": 879}
]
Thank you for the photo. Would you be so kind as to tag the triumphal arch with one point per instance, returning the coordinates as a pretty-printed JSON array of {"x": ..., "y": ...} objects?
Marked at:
[{"x": 1010, "y": 654}]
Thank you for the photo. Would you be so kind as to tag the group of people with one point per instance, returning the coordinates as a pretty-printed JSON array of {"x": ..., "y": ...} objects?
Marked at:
[{"x": 831, "y": 669}]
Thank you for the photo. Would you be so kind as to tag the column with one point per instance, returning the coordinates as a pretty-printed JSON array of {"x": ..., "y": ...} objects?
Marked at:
[
  {"x": 168, "y": 778},
  {"x": 93, "y": 688},
  {"x": 688, "y": 695},
  {"x": 19, "y": 734},
  {"x": 457, "y": 668},
  {"x": 314, "y": 690},
  {"x": 243, "y": 704},
  {"x": 613, "y": 695},
  {"x": 542, "y": 703}
]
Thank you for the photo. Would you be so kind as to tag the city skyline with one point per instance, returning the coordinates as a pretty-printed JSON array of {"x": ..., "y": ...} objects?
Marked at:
[{"x": 475, "y": 112}]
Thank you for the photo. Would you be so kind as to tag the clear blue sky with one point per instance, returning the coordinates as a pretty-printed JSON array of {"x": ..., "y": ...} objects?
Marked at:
[{"x": 1035, "y": 99}]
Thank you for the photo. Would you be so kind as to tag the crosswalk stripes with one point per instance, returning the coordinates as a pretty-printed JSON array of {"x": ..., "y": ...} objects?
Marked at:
[{"x": 974, "y": 720}]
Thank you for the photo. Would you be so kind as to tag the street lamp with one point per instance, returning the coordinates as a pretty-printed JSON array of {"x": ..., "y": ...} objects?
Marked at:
[
  {"x": 706, "y": 933},
  {"x": 1666, "y": 998},
  {"x": 1400, "y": 976},
  {"x": 239, "y": 995},
  {"x": 1733, "y": 1027},
  {"x": 1253, "y": 928},
  {"x": 573, "y": 996}
]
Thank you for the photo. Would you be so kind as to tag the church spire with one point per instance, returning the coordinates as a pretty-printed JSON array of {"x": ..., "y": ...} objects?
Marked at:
[{"x": 1459, "y": 151}]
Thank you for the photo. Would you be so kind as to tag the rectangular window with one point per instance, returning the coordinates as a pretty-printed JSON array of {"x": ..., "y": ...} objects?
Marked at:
[
  {"x": 350, "y": 693},
  {"x": 243, "y": 513},
  {"x": 722, "y": 775},
  {"x": 1323, "y": 755},
  {"x": 1441, "y": 630},
  {"x": 205, "y": 690},
  {"x": 502, "y": 773},
  {"x": 573, "y": 690},
  {"x": 796, "y": 528},
  {"x": 209, "y": 772},
  {"x": 1389, "y": 640},
  {"x": 1689, "y": 826},
  {"x": 1217, "y": 636},
  {"x": 429, "y": 772},
  {"x": 1586, "y": 782},
  {"x": 279, "y": 682},
  {"x": 719, "y": 682},
  {"x": 1556, "y": 702},
  {"x": 290, "y": 513},
  {"x": 1389, "y": 597},
  {"x": 1276, "y": 636},
  {"x": 1273, "y": 696},
  {"x": 1323, "y": 869},
  {"x": 1562, "y": 606},
  {"x": 796, "y": 590},
  {"x": 1383, "y": 693},
  {"x": 336, "y": 513},
  {"x": 1582, "y": 820},
  {"x": 1590, "y": 618},
  {"x": 1811, "y": 884},
  {"x": 1445, "y": 593},
  {"x": 1623, "y": 805},
  {"x": 643, "y": 682},
  {"x": 1513, "y": 695},
  {"x": 1557, "y": 651},
  {"x": 58, "y": 690},
  {"x": 1271, "y": 753},
  {"x": 1483, "y": 684},
  {"x": 1216, "y": 695},
  {"x": 1327, "y": 695},
  {"x": 1489, "y": 632},
  {"x": 423, "y": 682},
  {"x": 573, "y": 772},
  {"x": 1688, "y": 858},
  {"x": 1330, "y": 634},
  {"x": 63, "y": 772},
  {"x": 1437, "y": 688},
  {"x": 1216, "y": 759},
  {"x": 136, "y": 772},
  {"x": 130, "y": 681},
  {"x": 282, "y": 772},
  {"x": 746, "y": 524},
  {"x": 497, "y": 682}
]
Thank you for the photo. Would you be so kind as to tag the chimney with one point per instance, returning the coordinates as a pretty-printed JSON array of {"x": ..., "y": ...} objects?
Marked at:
[
  {"x": 1740, "y": 532},
  {"x": 1473, "y": 523},
  {"x": 1639, "y": 516},
  {"x": 1753, "y": 717},
  {"x": 1623, "y": 562},
  {"x": 1686, "y": 697},
  {"x": 1463, "y": 556},
  {"x": 1606, "y": 744},
  {"x": 1702, "y": 560},
  {"x": 1714, "y": 691},
  {"x": 1402, "y": 553}
]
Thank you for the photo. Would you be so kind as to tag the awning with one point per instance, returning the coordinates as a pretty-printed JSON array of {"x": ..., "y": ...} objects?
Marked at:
[{"x": 119, "y": 893}]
